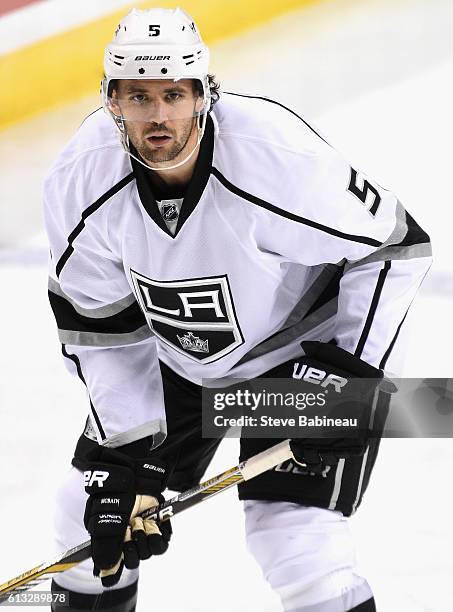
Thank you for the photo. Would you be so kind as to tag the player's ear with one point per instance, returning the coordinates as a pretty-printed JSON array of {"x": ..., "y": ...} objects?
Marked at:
[
  {"x": 199, "y": 102},
  {"x": 198, "y": 96}
]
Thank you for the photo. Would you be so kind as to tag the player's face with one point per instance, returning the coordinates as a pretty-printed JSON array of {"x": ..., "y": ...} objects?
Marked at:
[{"x": 159, "y": 116}]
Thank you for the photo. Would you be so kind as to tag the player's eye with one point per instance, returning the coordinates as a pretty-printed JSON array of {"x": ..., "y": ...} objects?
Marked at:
[
  {"x": 174, "y": 96},
  {"x": 139, "y": 98}
]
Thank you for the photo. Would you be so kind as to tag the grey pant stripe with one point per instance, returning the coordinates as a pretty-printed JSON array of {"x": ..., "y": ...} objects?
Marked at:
[
  {"x": 365, "y": 456},
  {"x": 362, "y": 473},
  {"x": 337, "y": 485},
  {"x": 373, "y": 407}
]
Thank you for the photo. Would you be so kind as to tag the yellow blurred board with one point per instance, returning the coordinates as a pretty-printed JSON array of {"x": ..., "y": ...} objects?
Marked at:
[{"x": 67, "y": 66}]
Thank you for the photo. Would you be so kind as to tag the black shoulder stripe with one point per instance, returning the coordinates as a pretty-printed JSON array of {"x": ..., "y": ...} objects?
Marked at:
[
  {"x": 76, "y": 362},
  {"x": 128, "y": 320},
  {"x": 284, "y": 213},
  {"x": 282, "y": 106},
  {"x": 373, "y": 307},
  {"x": 86, "y": 213},
  {"x": 415, "y": 234}
]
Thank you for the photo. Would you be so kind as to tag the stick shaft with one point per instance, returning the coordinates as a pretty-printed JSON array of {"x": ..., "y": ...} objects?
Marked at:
[{"x": 245, "y": 471}]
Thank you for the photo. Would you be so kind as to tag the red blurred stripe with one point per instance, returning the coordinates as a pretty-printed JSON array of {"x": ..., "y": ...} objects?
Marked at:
[{"x": 6, "y": 6}]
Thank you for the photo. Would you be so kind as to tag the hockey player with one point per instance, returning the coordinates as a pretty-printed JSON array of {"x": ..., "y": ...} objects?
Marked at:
[{"x": 196, "y": 235}]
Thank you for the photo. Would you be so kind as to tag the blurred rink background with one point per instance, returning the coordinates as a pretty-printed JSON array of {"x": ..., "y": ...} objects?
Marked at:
[{"x": 376, "y": 76}]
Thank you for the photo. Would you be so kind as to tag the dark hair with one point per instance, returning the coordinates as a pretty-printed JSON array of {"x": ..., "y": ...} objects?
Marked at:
[{"x": 214, "y": 86}]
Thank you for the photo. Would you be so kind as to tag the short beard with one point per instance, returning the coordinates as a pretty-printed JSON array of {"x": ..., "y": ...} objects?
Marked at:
[{"x": 158, "y": 156}]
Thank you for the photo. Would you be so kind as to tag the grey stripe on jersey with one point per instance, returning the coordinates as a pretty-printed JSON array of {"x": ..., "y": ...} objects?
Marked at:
[
  {"x": 157, "y": 429},
  {"x": 400, "y": 229},
  {"x": 374, "y": 407},
  {"x": 94, "y": 313},
  {"x": 310, "y": 296},
  {"x": 79, "y": 338},
  {"x": 283, "y": 338},
  {"x": 292, "y": 328},
  {"x": 412, "y": 251},
  {"x": 396, "y": 247},
  {"x": 337, "y": 484},
  {"x": 117, "y": 324}
]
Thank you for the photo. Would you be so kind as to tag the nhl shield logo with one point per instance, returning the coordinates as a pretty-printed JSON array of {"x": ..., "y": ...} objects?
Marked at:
[
  {"x": 196, "y": 317},
  {"x": 169, "y": 212}
]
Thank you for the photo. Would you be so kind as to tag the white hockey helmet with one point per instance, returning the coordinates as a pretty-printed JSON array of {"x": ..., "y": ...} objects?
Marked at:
[{"x": 156, "y": 44}]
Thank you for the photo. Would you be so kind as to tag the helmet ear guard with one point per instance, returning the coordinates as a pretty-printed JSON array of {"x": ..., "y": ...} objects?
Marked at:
[{"x": 156, "y": 44}]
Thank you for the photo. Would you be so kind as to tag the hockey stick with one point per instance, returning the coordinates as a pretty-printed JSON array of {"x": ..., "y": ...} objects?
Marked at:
[{"x": 246, "y": 470}]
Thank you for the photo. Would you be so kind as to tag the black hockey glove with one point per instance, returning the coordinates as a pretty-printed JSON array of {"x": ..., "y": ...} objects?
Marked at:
[
  {"x": 119, "y": 488},
  {"x": 318, "y": 453}
]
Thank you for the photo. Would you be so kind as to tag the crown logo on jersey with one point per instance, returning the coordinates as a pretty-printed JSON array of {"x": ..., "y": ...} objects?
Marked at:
[{"x": 189, "y": 342}]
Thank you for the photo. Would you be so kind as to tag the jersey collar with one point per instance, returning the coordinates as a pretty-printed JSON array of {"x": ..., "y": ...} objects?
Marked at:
[{"x": 194, "y": 191}]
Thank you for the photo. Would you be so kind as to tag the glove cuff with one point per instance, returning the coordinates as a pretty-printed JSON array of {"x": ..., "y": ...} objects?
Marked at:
[
  {"x": 329, "y": 354},
  {"x": 150, "y": 476}
]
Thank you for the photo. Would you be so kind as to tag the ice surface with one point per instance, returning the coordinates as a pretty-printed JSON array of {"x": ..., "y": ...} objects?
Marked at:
[{"x": 391, "y": 114}]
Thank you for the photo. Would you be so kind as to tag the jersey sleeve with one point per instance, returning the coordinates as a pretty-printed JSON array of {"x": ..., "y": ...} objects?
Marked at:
[
  {"x": 376, "y": 293},
  {"x": 104, "y": 336},
  {"x": 351, "y": 221}
]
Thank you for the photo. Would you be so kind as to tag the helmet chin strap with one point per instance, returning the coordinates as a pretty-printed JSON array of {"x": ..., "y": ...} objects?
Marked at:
[{"x": 125, "y": 142}]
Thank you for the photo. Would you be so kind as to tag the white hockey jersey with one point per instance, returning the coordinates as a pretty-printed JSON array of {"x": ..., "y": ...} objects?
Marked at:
[{"x": 277, "y": 240}]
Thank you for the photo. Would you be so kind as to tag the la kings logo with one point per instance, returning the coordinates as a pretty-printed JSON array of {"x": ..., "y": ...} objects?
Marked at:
[{"x": 195, "y": 317}]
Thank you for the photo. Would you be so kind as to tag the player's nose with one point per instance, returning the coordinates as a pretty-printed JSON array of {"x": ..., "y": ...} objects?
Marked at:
[{"x": 160, "y": 112}]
